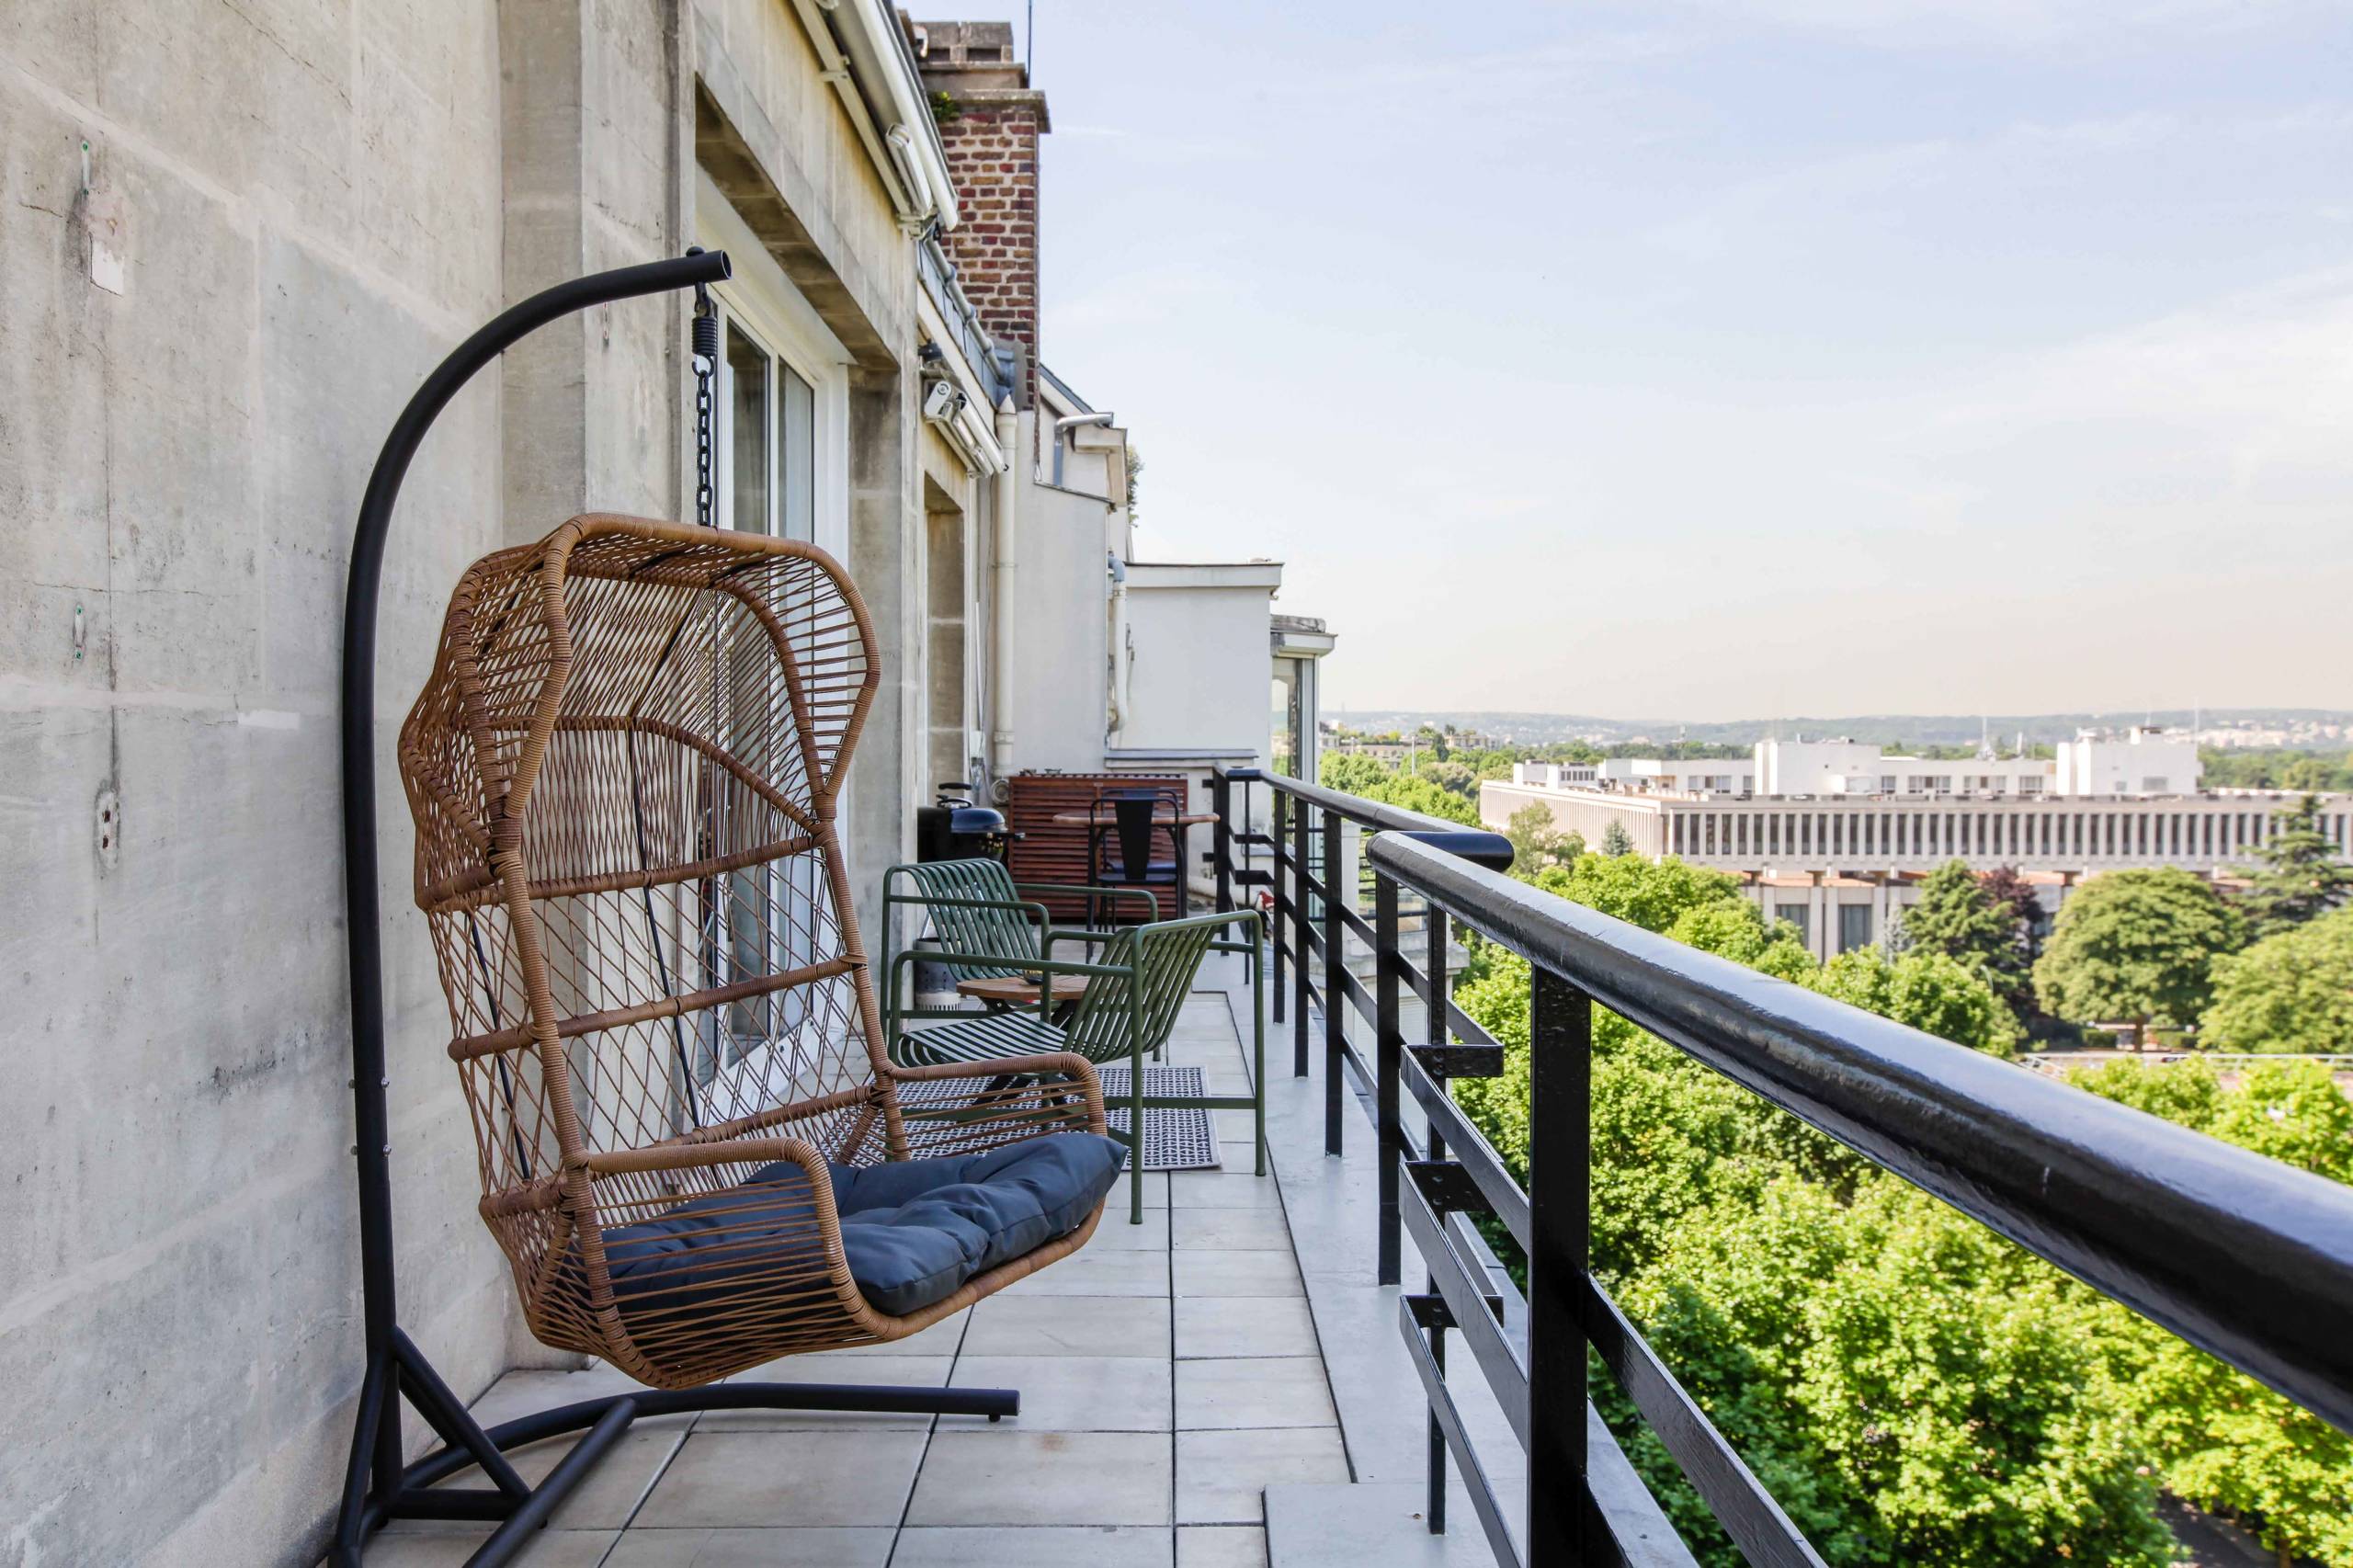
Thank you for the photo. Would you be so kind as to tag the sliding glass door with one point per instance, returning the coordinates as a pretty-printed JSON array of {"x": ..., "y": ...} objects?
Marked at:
[{"x": 770, "y": 914}]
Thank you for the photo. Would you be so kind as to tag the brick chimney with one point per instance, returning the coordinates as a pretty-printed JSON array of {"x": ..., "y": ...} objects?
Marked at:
[{"x": 990, "y": 127}]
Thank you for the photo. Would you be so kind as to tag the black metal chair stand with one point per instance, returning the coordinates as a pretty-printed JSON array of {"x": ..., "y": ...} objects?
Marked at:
[{"x": 380, "y": 1485}]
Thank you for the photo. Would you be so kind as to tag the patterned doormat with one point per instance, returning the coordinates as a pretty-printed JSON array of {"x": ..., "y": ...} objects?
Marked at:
[{"x": 1173, "y": 1140}]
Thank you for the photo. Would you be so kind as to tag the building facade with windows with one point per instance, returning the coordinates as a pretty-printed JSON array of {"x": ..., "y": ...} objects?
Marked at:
[
  {"x": 1112, "y": 663},
  {"x": 1839, "y": 862},
  {"x": 2141, "y": 761}
]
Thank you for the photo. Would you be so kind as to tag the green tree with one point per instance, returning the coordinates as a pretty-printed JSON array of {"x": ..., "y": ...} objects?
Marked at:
[
  {"x": 2136, "y": 946},
  {"x": 1651, "y": 895},
  {"x": 1363, "y": 776},
  {"x": 1932, "y": 992},
  {"x": 2309, "y": 774},
  {"x": 2218, "y": 1438},
  {"x": 2291, "y": 992},
  {"x": 1616, "y": 841},
  {"x": 2305, "y": 771},
  {"x": 1734, "y": 928},
  {"x": 1959, "y": 917},
  {"x": 1537, "y": 842},
  {"x": 2299, "y": 876},
  {"x": 1910, "y": 1387},
  {"x": 1455, "y": 777}
]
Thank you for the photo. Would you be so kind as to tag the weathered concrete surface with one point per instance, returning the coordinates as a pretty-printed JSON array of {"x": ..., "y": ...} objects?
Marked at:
[{"x": 313, "y": 194}]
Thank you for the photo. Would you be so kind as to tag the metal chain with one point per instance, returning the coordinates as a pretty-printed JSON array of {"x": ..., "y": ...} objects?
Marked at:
[{"x": 706, "y": 356}]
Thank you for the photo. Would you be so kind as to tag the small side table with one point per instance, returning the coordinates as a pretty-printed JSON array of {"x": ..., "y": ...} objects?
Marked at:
[{"x": 1006, "y": 992}]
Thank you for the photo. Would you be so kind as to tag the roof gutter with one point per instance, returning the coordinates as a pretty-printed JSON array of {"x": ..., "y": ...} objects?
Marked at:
[{"x": 862, "y": 54}]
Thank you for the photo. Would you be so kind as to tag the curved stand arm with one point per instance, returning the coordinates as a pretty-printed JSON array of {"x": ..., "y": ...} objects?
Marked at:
[{"x": 362, "y": 916}]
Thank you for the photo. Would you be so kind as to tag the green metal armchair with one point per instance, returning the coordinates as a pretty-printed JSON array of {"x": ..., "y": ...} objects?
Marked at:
[
  {"x": 977, "y": 908},
  {"x": 1136, "y": 986}
]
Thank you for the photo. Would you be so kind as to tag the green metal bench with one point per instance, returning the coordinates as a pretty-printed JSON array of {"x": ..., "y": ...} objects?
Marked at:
[{"x": 1136, "y": 986}]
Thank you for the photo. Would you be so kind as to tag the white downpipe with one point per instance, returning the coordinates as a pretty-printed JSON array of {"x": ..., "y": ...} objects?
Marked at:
[
  {"x": 1002, "y": 572},
  {"x": 1119, "y": 643}
]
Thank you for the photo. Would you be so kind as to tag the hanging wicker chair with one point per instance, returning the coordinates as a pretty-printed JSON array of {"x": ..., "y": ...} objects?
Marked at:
[{"x": 624, "y": 771}]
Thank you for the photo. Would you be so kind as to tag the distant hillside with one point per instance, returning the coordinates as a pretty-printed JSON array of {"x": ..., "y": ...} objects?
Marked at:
[{"x": 1889, "y": 729}]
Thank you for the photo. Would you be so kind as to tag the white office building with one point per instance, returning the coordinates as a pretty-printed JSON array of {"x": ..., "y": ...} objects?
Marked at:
[{"x": 1835, "y": 836}]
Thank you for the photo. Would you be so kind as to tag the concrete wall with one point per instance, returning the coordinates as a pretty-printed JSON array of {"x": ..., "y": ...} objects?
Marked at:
[
  {"x": 314, "y": 204},
  {"x": 1062, "y": 638},
  {"x": 1199, "y": 676},
  {"x": 311, "y": 199}
]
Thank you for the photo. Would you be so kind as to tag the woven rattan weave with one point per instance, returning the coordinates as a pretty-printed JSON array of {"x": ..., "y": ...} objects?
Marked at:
[{"x": 623, "y": 771}]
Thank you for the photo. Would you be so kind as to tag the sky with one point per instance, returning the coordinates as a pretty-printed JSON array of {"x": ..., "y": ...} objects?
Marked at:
[{"x": 1724, "y": 359}]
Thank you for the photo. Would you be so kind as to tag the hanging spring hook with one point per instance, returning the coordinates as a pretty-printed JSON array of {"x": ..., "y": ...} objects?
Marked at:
[{"x": 704, "y": 344}]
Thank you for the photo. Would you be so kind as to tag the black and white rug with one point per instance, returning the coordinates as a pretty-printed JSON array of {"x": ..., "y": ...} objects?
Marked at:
[{"x": 1173, "y": 1140}]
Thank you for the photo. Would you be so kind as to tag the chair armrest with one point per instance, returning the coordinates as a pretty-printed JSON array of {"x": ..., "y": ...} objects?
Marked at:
[
  {"x": 1111, "y": 895},
  {"x": 1027, "y": 966},
  {"x": 668, "y": 1156},
  {"x": 1085, "y": 891},
  {"x": 929, "y": 902}
]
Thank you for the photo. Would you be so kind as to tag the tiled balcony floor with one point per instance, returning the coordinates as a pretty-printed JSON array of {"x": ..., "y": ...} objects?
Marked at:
[{"x": 1169, "y": 1373}]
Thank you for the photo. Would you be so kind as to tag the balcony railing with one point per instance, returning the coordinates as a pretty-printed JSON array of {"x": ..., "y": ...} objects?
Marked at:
[
  {"x": 941, "y": 281},
  {"x": 2247, "y": 1259}
]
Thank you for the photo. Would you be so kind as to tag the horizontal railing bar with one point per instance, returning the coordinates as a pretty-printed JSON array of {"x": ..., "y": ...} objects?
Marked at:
[
  {"x": 2241, "y": 1256},
  {"x": 1351, "y": 987},
  {"x": 1356, "y": 808},
  {"x": 1359, "y": 998},
  {"x": 1458, "y": 1440},
  {"x": 1459, "y": 1060},
  {"x": 1468, "y": 1147},
  {"x": 1765, "y": 1535},
  {"x": 1357, "y": 923},
  {"x": 1472, "y": 1031},
  {"x": 1466, "y": 1302},
  {"x": 1460, "y": 1022}
]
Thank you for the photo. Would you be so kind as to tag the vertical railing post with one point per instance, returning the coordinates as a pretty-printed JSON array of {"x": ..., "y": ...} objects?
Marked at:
[
  {"x": 1336, "y": 986},
  {"x": 1389, "y": 1047},
  {"x": 1222, "y": 842},
  {"x": 1303, "y": 915},
  {"x": 1286, "y": 929},
  {"x": 1560, "y": 1150},
  {"x": 1435, "y": 1032}
]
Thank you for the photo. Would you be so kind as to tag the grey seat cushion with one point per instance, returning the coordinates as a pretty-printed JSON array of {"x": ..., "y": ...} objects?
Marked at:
[{"x": 912, "y": 1232}]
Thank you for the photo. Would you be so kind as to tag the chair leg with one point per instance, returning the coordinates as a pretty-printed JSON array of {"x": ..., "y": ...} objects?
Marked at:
[
  {"x": 1135, "y": 1129},
  {"x": 1258, "y": 1052}
]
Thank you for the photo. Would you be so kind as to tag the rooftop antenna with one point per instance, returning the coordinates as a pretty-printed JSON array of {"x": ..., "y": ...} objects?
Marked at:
[{"x": 1029, "y": 39}]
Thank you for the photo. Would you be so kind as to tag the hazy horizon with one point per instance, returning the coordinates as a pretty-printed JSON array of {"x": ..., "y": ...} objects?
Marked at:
[
  {"x": 2219, "y": 713},
  {"x": 1736, "y": 357}
]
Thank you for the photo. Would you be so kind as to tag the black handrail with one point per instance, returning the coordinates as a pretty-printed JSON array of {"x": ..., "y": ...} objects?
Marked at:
[
  {"x": 2243, "y": 1257},
  {"x": 1475, "y": 845}
]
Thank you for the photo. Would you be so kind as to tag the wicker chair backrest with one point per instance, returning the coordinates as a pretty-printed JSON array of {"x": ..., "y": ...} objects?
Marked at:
[{"x": 624, "y": 769}]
